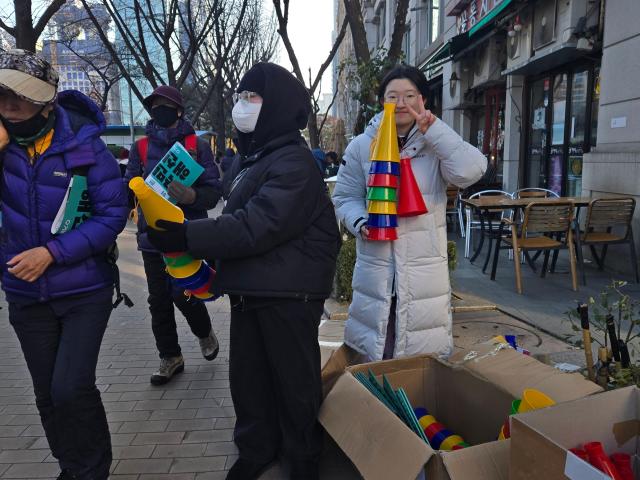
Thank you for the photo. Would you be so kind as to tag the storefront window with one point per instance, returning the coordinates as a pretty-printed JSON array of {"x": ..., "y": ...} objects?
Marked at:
[
  {"x": 557, "y": 133},
  {"x": 562, "y": 109},
  {"x": 578, "y": 125},
  {"x": 535, "y": 167}
]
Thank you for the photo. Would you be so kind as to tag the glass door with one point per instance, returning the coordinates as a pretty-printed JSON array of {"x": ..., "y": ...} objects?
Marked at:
[
  {"x": 578, "y": 132},
  {"x": 535, "y": 164},
  {"x": 556, "y": 150}
]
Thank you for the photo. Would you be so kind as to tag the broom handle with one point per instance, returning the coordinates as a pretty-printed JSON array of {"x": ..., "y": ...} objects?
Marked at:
[{"x": 583, "y": 310}]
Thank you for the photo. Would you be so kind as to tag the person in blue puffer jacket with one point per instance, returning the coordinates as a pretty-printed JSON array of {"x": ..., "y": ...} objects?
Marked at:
[
  {"x": 59, "y": 286},
  {"x": 166, "y": 127}
]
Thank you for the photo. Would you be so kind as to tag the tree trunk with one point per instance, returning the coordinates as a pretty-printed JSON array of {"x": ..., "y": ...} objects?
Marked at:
[
  {"x": 218, "y": 118},
  {"x": 353, "y": 12},
  {"x": 314, "y": 134},
  {"x": 399, "y": 29},
  {"x": 24, "y": 32}
]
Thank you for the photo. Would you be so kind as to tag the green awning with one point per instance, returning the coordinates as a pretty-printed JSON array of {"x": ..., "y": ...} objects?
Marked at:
[
  {"x": 490, "y": 16},
  {"x": 440, "y": 56}
]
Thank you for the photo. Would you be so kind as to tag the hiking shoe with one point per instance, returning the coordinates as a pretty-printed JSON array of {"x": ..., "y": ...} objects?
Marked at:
[
  {"x": 209, "y": 346},
  {"x": 168, "y": 368}
]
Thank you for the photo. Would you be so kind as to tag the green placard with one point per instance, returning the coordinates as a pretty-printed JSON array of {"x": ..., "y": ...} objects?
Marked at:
[{"x": 384, "y": 194}]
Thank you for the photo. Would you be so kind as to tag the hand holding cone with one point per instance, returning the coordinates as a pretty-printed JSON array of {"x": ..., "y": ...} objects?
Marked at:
[{"x": 195, "y": 276}]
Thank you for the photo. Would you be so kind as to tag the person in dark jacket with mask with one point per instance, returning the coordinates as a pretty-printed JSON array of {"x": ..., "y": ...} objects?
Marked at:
[
  {"x": 59, "y": 286},
  {"x": 166, "y": 127},
  {"x": 276, "y": 243}
]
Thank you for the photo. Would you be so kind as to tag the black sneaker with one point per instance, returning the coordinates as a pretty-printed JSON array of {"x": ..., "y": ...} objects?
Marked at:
[
  {"x": 209, "y": 346},
  {"x": 168, "y": 368},
  {"x": 247, "y": 470}
]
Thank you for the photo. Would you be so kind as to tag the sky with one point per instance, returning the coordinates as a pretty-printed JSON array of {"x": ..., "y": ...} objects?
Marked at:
[{"x": 311, "y": 26}]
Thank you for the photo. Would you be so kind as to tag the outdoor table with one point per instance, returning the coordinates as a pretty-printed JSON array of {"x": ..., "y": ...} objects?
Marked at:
[{"x": 483, "y": 205}]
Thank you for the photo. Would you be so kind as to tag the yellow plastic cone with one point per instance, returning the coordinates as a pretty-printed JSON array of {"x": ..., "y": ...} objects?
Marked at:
[
  {"x": 386, "y": 141},
  {"x": 153, "y": 205}
]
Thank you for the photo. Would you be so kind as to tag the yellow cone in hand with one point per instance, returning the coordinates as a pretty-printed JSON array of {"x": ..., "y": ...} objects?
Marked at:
[
  {"x": 153, "y": 205},
  {"x": 386, "y": 141}
]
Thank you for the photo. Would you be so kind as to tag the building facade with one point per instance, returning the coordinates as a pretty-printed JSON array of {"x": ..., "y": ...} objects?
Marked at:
[{"x": 548, "y": 90}]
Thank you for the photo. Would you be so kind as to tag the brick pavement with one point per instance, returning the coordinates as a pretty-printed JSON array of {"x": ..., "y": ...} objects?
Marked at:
[{"x": 179, "y": 431}]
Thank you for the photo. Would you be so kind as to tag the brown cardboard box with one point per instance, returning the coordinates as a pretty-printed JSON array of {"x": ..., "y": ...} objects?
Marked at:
[
  {"x": 471, "y": 398},
  {"x": 334, "y": 362},
  {"x": 540, "y": 440}
]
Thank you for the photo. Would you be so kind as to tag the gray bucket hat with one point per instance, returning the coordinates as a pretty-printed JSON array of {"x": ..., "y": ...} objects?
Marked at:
[{"x": 28, "y": 76}]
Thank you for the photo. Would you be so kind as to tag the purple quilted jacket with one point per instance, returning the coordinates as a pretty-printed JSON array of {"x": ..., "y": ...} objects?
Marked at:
[{"x": 32, "y": 194}]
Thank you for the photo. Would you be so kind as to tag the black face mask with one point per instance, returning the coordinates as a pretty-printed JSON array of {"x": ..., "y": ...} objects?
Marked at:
[
  {"x": 164, "y": 116},
  {"x": 26, "y": 128}
]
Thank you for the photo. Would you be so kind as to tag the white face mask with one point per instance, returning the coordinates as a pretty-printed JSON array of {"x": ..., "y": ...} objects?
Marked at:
[{"x": 245, "y": 115}]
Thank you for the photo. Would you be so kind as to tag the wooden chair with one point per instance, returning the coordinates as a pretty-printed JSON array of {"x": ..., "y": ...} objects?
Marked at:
[
  {"x": 532, "y": 192},
  {"x": 603, "y": 216},
  {"x": 541, "y": 222}
]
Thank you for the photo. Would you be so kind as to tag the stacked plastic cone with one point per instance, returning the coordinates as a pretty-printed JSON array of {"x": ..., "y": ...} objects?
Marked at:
[
  {"x": 439, "y": 437},
  {"x": 383, "y": 179},
  {"x": 193, "y": 275}
]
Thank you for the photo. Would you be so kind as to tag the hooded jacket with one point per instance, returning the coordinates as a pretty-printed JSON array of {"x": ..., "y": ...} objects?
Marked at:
[
  {"x": 207, "y": 186},
  {"x": 277, "y": 235},
  {"x": 32, "y": 195},
  {"x": 413, "y": 267}
]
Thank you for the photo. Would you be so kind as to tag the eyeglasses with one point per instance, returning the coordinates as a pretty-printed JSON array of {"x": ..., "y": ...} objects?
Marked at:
[
  {"x": 245, "y": 95},
  {"x": 395, "y": 98}
]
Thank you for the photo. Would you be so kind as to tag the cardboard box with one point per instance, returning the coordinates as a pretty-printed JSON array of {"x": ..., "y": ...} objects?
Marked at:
[
  {"x": 540, "y": 440},
  {"x": 333, "y": 363},
  {"x": 470, "y": 397}
]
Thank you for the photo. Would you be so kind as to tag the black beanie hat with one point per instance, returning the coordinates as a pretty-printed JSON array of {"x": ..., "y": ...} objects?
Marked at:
[{"x": 252, "y": 81}]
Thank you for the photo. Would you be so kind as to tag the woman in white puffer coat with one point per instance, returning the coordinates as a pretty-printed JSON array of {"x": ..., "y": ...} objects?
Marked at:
[{"x": 401, "y": 291}]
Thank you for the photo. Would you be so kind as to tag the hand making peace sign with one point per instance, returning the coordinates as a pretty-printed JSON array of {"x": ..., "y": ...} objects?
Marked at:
[{"x": 424, "y": 118}]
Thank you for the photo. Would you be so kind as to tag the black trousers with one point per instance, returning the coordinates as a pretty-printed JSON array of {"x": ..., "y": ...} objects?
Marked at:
[
  {"x": 61, "y": 342},
  {"x": 274, "y": 371},
  {"x": 162, "y": 296}
]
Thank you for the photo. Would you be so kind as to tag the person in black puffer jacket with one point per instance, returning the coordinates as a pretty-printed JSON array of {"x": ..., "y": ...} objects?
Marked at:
[{"x": 276, "y": 245}]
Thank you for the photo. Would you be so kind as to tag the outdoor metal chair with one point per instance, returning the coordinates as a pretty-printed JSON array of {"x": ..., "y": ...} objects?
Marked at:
[
  {"x": 474, "y": 223},
  {"x": 542, "y": 221},
  {"x": 603, "y": 216}
]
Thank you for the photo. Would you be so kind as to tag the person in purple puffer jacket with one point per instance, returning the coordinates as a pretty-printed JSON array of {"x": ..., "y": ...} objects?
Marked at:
[{"x": 59, "y": 286}]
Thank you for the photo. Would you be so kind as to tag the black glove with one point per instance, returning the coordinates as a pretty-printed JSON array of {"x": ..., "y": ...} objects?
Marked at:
[{"x": 172, "y": 239}]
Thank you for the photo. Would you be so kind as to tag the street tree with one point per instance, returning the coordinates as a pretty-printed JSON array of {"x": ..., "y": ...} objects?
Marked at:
[
  {"x": 29, "y": 24},
  {"x": 281, "y": 8},
  {"x": 370, "y": 66}
]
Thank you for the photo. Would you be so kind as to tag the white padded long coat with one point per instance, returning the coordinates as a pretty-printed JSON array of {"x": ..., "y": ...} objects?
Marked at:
[{"x": 414, "y": 266}]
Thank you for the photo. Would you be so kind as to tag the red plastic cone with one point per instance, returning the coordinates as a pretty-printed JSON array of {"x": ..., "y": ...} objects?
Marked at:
[{"x": 410, "y": 201}]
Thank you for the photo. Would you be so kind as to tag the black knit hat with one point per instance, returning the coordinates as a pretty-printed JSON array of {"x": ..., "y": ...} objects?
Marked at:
[{"x": 252, "y": 81}]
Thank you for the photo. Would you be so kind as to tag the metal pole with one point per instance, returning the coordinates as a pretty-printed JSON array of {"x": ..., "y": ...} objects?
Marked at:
[{"x": 133, "y": 135}]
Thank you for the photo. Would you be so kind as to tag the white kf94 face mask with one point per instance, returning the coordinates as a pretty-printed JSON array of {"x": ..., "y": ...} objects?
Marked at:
[{"x": 245, "y": 115}]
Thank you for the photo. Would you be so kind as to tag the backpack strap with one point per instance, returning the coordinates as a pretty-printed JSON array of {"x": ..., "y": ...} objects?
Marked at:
[
  {"x": 111, "y": 254},
  {"x": 191, "y": 144},
  {"x": 143, "y": 149}
]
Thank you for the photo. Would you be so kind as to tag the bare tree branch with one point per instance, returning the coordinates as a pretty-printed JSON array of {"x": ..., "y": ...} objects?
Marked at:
[{"x": 46, "y": 16}]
